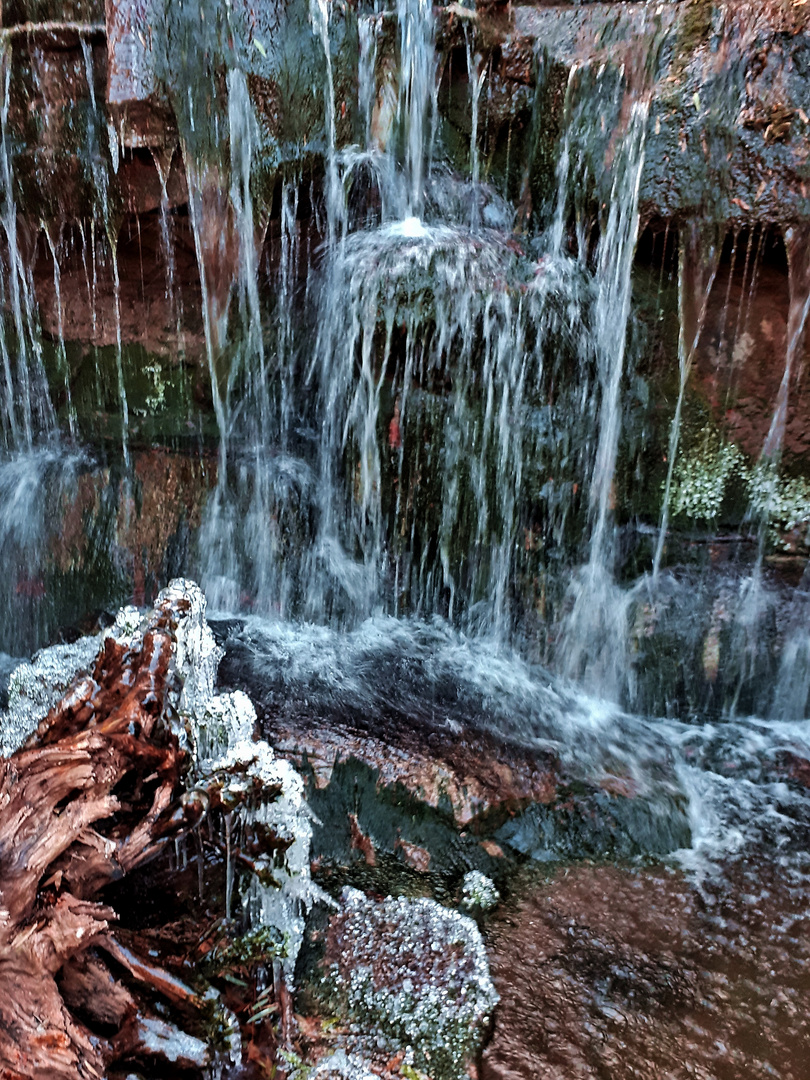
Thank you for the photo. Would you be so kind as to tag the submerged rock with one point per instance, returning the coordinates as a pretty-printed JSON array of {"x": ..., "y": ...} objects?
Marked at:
[
  {"x": 634, "y": 972},
  {"x": 413, "y": 973}
]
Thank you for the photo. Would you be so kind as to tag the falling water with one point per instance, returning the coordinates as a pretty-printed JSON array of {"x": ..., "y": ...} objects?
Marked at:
[
  {"x": 477, "y": 73},
  {"x": 368, "y": 28},
  {"x": 557, "y": 231},
  {"x": 319, "y": 14},
  {"x": 63, "y": 363},
  {"x": 594, "y": 636},
  {"x": 163, "y": 165},
  {"x": 101, "y": 182},
  {"x": 699, "y": 259},
  {"x": 755, "y": 596},
  {"x": 27, "y": 411},
  {"x": 34, "y": 471},
  {"x": 792, "y": 690},
  {"x": 214, "y": 314},
  {"x": 417, "y": 65},
  {"x": 797, "y": 242},
  {"x": 288, "y": 270}
]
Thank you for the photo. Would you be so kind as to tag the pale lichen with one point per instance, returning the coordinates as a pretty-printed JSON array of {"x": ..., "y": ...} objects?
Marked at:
[
  {"x": 413, "y": 974},
  {"x": 701, "y": 482},
  {"x": 701, "y": 476},
  {"x": 784, "y": 502},
  {"x": 478, "y": 892}
]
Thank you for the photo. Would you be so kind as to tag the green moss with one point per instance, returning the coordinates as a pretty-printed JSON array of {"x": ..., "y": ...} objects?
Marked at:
[
  {"x": 259, "y": 947},
  {"x": 694, "y": 28}
]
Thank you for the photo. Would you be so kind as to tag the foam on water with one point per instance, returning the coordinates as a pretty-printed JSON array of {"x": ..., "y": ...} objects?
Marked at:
[{"x": 740, "y": 780}]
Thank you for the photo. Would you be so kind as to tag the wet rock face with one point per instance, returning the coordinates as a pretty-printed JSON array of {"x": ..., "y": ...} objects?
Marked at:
[
  {"x": 729, "y": 128},
  {"x": 726, "y": 82},
  {"x": 388, "y": 777},
  {"x": 416, "y": 974},
  {"x": 150, "y": 71},
  {"x": 635, "y": 973}
]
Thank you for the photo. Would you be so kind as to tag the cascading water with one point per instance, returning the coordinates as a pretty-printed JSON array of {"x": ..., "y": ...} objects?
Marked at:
[
  {"x": 27, "y": 412},
  {"x": 697, "y": 270},
  {"x": 420, "y": 418},
  {"x": 35, "y": 471}
]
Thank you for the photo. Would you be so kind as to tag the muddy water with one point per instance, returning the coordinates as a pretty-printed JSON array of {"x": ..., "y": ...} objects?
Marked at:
[{"x": 612, "y": 972}]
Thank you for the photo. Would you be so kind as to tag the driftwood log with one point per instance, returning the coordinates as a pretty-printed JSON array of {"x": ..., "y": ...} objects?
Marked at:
[{"x": 91, "y": 796}]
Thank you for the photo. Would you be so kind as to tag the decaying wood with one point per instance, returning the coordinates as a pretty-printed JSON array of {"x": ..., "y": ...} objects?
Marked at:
[{"x": 90, "y": 797}]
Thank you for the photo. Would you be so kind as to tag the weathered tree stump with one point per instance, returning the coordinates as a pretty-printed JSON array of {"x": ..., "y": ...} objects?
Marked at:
[{"x": 92, "y": 795}]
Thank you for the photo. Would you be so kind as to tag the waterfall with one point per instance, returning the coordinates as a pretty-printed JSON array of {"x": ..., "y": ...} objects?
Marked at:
[
  {"x": 419, "y": 408},
  {"x": 100, "y": 182},
  {"x": 594, "y": 634},
  {"x": 63, "y": 363},
  {"x": 335, "y": 208},
  {"x": 477, "y": 73},
  {"x": 797, "y": 242},
  {"x": 427, "y": 456},
  {"x": 28, "y": 417},
  {"x": 417, "y": 65},
  {"x": 792, "y": 690},
  {"x": 699, "y": 259},
  {"x": 366, "y": 62},
  {"x": 243, "y": 500}
]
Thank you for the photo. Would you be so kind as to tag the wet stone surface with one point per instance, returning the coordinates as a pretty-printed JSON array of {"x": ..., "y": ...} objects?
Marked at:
[
  {"x": 411, "y": 977},
  {"x": 633, "y": 972},
  {"x": 388, "y": 775}
]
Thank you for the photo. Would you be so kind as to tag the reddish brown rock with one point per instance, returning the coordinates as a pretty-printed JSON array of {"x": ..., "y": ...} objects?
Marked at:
[{"x": 474, "y": 776}]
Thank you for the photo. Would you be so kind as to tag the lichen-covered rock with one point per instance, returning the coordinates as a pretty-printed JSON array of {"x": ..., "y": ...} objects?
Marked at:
[{"x": 413, "y": 973}]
